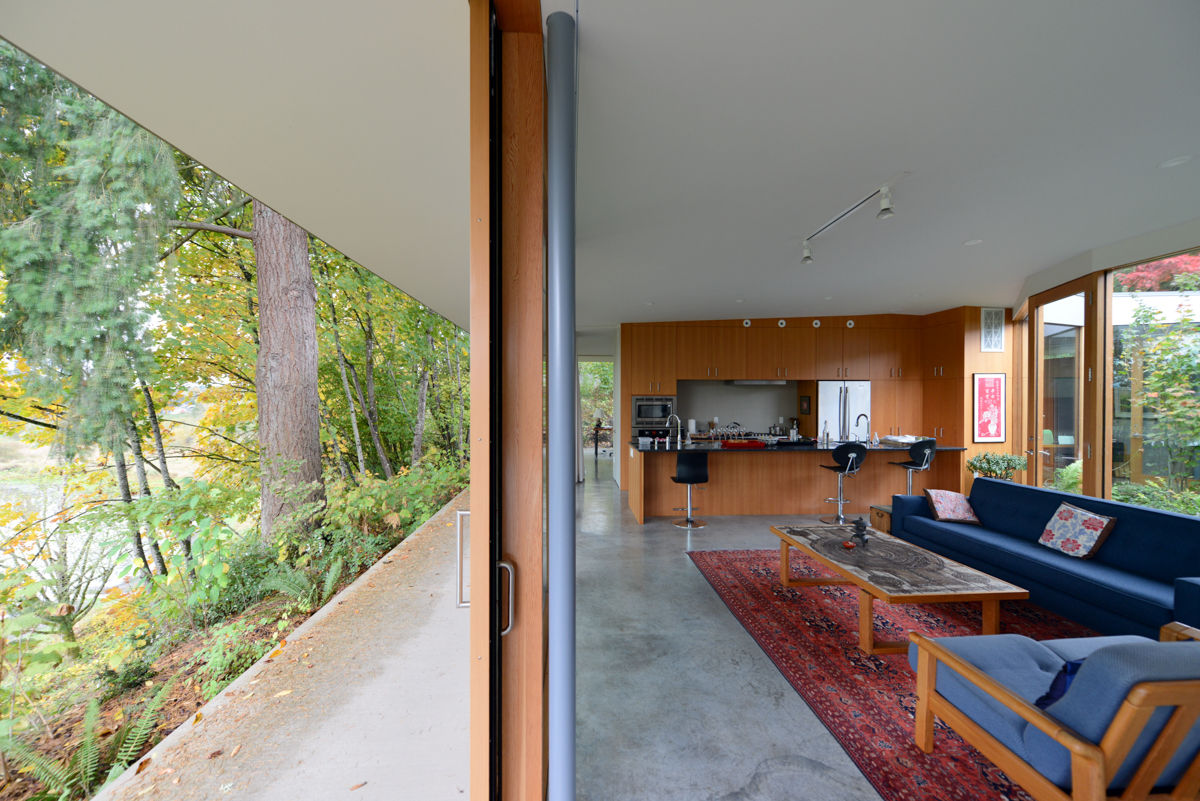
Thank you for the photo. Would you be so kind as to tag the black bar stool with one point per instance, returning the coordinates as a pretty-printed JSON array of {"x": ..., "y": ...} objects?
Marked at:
[
  {"x": 920, "y": 458},
  {"x": 691, "y": 467},
  {"x": 848, "y": 458}
]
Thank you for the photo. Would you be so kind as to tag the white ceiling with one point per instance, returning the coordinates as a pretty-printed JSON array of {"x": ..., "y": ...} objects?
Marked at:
[
  {"x": 350, "y": 118},
  {"x": 713, "y": 137}
]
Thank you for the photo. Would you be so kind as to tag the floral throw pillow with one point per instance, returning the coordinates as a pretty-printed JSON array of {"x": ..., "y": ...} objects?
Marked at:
[
  {"x": 950, "y": 507},
  {"x": 1076, "y": 532}
]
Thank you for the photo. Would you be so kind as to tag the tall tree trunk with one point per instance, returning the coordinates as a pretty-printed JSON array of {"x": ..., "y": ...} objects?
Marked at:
[
  {"x": 289, "y": 417},
  {"x": 462, "y": 452},
  {"x": 335, "y": 443},
  {"x": 370, "y": 409},
  {"x": 419, "y": 423},
  {"x": 160, "y": 452},
  {"x": 341, "y": 360},
  {"x": 139, "y": 468},
  {"x": 135, "y": 533}
]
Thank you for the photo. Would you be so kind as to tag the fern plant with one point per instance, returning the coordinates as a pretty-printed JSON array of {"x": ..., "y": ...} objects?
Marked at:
[
  {"x": 94, "y": 764},
  {"x": 303, "y": 587}
]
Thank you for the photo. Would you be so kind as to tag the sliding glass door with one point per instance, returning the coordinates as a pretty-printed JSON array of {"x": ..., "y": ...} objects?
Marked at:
[{"x": 1061, "y": 376}]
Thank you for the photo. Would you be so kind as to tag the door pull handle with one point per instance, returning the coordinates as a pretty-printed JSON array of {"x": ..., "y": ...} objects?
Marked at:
[
  {"x": 461, "y": 602},
  {"x": 507, "y": 566}
]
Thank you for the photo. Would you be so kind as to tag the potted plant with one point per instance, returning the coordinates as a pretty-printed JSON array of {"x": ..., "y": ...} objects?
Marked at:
[{"x": 990, "y": 464}]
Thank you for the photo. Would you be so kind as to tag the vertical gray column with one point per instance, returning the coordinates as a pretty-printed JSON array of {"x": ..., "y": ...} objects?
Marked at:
[{"x": 561, "y": 367}]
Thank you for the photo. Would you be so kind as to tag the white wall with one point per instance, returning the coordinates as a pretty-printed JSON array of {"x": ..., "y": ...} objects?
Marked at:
[{"x": 755, "y": 407}]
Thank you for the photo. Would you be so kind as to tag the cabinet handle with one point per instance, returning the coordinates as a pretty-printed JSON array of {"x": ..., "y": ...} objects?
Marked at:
[
  {"x": 716, "y": 372},
  {"x": 785, "y": 372},
  {"x": 899, "y": 372},
  {"x": 891, "y": 372}
]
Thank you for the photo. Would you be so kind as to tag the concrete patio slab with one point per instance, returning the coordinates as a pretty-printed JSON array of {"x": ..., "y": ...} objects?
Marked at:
[{"x": 367, "y": 700}]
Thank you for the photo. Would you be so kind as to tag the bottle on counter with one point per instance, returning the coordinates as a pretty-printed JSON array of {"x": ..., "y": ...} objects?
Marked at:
[{"x": 825, "y": 434}]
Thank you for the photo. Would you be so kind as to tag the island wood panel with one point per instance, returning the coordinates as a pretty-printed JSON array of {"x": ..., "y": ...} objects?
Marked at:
[
  {"x": 789, "y": 483},
  {"x": 635, "y": 476}
]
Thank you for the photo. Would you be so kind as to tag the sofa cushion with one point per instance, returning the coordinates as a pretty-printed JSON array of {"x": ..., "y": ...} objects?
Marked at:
[
  {"x": 1024, "y": 666},
  {"x": 1076, "y": 532},
  {"x": 950, "y": 506},
  {"x": 1149, "y": 542},
  {"x": 1092, "y": 582},
  {"x": 1097, "y": 693}
]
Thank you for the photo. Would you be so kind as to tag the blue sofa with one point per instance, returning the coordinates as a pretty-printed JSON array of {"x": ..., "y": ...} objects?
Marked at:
[{"x": 1145, "y": 574}]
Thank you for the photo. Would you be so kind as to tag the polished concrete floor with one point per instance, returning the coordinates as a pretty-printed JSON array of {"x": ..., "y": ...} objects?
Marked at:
[{"x": 675, "y": 700}]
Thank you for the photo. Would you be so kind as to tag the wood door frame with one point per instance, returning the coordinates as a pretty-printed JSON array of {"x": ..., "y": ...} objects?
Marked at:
[{"x": 507, "y": 234}]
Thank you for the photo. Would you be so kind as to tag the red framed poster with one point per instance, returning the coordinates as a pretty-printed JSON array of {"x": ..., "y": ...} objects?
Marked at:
[{"x": 989, "y": 407}]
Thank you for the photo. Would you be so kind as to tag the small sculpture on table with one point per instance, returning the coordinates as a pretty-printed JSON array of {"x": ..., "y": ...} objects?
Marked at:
[{"x": 860, "y": 536}]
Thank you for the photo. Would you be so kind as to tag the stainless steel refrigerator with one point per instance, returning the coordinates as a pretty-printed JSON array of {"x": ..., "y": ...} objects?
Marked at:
[{"x": 844, "y": 410}]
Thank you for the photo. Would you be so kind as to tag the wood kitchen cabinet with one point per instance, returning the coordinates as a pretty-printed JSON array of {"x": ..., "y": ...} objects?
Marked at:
[
  {"x": 895, "y": 353},
  {"x": 651, "y": 353},
  {"x": 842, "y": 352},
  {"x": 942, "y": 350},
  {"x": 944, "y": 410},
  {"x": 896, "y": 408},
  {"x": 710, "y": 352},
  {"x": 773, "y": 353}
]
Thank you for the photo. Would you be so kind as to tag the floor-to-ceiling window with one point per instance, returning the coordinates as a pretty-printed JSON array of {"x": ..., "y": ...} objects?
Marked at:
[{"x": 1155, "y": 414}]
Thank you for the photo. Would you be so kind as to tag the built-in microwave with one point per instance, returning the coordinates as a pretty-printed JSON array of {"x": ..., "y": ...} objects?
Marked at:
[{"x": 652, "y": 411}]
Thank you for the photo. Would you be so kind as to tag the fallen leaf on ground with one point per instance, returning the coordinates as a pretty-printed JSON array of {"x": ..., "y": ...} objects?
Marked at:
[
  {"x": 235, "y": 750},
  {"x": 199, "y": 717},
  {"x": 355, "y": 787},
  {"x": 216, "y": 753},
  {"x": 145, "y": 763},
  {"x": 281, "y": 692},
  {"x": 143, "y": 792}
]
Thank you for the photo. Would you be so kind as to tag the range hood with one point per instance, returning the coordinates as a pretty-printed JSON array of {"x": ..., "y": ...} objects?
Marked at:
[{"x": 758, "y": 382}]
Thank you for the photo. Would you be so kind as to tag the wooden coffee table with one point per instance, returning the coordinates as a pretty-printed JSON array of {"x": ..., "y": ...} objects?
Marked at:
[{"x": 891, "y": 570}]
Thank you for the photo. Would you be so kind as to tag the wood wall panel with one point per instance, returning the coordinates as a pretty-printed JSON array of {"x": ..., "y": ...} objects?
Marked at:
[{"x": 784, "y": 483}]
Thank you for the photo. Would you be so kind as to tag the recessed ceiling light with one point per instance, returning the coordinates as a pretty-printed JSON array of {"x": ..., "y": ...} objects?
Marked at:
[
  {"x": 1178, "y": 161},
  {"x": 739, "y": 300},
  {"x": 828, "y": 298},
  {"x": 649, "y": 303},
  {"x": 970, "y": 243}
]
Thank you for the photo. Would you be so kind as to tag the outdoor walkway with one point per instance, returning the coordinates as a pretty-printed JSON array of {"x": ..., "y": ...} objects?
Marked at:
[
  {"x": 367, "y": 701},
  {"x": 675, "y": 700}
]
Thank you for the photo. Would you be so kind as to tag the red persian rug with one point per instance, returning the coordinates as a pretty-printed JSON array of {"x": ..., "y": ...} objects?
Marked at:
[{"x": 868, "y": 702}]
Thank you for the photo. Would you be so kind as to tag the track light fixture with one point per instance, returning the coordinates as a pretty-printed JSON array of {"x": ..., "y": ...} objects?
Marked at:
[
  {"x": 885, "y": 210},
  {"x": 885, "y": 204}
]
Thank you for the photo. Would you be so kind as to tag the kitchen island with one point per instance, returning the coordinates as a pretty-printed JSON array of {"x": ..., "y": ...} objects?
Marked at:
[{"x": 778, "y": 480}]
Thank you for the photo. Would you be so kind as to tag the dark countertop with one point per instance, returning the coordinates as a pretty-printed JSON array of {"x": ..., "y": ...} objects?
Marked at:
[{"x": 715, "y": 446}]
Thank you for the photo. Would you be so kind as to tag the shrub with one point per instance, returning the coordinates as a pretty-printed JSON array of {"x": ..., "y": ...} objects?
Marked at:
[
  {"x": 1157, "y": 495},
  {"x": 228, "y": 654},
  {"x": 134, "y": 673}
]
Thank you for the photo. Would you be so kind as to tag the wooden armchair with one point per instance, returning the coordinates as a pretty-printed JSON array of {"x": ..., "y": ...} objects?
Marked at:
[{"x": 1126, "y": 727}]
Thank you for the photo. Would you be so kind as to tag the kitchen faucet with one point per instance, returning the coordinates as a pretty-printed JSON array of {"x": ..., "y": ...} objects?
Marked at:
[
  {"x": 861, "y": 416},
  {"x": 678, "y": 430}
]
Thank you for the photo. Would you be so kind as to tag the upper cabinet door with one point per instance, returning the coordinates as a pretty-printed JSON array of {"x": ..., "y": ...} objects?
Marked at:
[
  {"x": 764, "y": 347},
  {"x": 799, "y": 346},
  {"x": 728, "y": 352},
  {"x": 693, "y": 352},
  {"x": 828, "y": 352},
  {"x": 856, "y": 354},
  {"x": 663, "y": 351},
  {"x": 710, "y": 352},
  {"x": 895, "y": 353}
]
